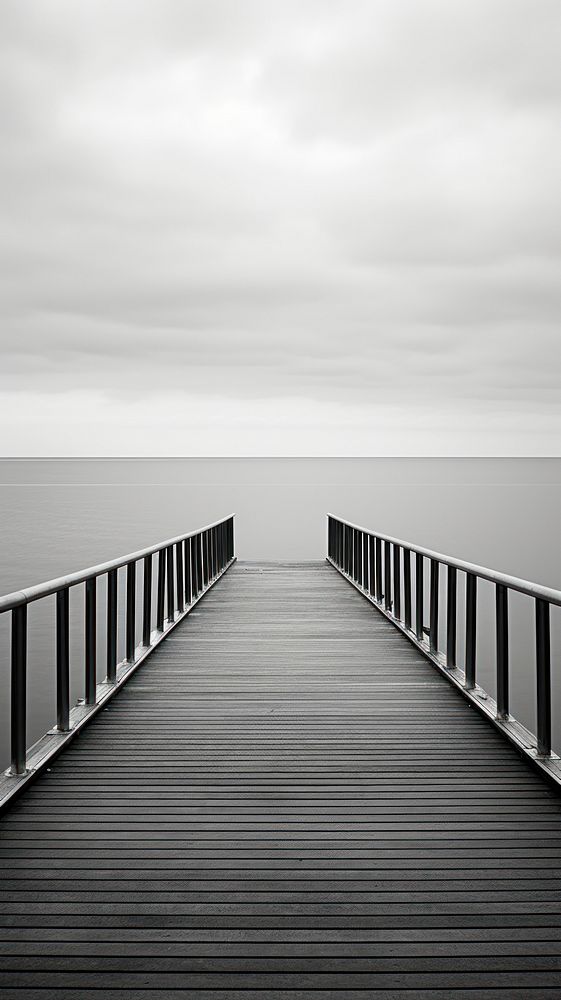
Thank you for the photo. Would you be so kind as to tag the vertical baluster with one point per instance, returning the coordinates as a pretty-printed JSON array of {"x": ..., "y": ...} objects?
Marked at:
[
  {"x": 170, "y": 584},
  {"x": 18, "y": 692},
  {"x": 471, "y": 630},
  {"x": 407, "y": 587},
  {"x": 179, "y": 576},
  {"x": 433, "y": 603},
  {"x": 451, "y": 616},
  {"x": 62, "y": 661},
  {"x": 130, "y": 625},
  {"x": 187, "y": 565},
  {"x": 397, "y": 581},
  {"x": 387, "y": 576},
  {"x": 112, "y": 626},
  {"x": 371, "y": 567},
  {"x": 90, "y": 650},
  {"x": 202, "y": 554},
  {"x": 419, "y": 596},
  {"x": 501, "y": 607},
  {"x": 364, "y": 561},
  {"x": 147, "y": 601},
  {"x": 161, "y": 591},
  {"x": 543, "y": 677},
  {"x": 379, "y": 594},
  {"x": 199, "y": 544},
  {"x": 194, "y": 575}
]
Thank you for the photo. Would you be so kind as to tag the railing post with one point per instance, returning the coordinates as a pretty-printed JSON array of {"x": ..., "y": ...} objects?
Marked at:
[
  {"x": 180, "y": 581},
  {"x": 130, "y": 626},
  {"x": 501, "y": 605},
  {"x": 397, "y": 582},
  {"x": 407, "y": 587},
  {"x": 471, "y": 630},
  {"x": 62, "y": 661},
  {"x": 206, "y": 567},
  {"x": 161, "y": 591},
  {"x": 199, "y": 544},
  {"x": 91, "y": 641},
  {"x": 387, "y": 576},
  {"x": 187, "y": 566},
  {"x": 112, "y": 626},
  {"x": 170, "y": 587},
  {"x": 379, "y": 570},
  {"x": 434, "y": 601},
  {"x": 194, "y": 576},
  {"x": 147, "y": 602},
  {"x": 451, "y": 616},
  {"x": 419, "y": 597},
  {"x": 18, "y": 692},
  {"x": 543, "y": 677},
  {"x": 364, "y": 561},
  {"x": 371, "y": 566}
]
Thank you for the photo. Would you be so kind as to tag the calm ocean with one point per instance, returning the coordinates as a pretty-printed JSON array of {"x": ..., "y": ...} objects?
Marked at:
[{"x": 64, "y": 515}]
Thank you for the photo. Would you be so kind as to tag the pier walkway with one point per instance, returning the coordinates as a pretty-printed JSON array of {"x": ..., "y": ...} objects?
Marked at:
[{"x": 286, "y": 800}]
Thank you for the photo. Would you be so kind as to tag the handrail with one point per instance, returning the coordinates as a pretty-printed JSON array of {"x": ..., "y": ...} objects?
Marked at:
[
  {"x": 29, "y": 594},
  {"x": 484, "y": 573},
  {"x": 380, "y": 567},
  {"x": 187, "y": 566}
]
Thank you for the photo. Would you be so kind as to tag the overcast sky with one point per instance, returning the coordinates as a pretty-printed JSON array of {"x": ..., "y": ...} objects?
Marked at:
[{"x": 235, "y": 227}]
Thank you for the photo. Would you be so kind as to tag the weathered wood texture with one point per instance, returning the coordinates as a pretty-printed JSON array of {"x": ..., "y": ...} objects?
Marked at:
[{"x": 287, "y": 801}]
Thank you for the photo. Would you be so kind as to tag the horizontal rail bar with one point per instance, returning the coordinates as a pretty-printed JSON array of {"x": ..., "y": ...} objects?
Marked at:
[
  {"x": 30, "y": 594},
  {"x": 484, "y": 573}
]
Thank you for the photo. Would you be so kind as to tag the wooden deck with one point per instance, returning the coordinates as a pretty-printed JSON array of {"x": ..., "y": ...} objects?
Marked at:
[{"x": 286, "y": 800}]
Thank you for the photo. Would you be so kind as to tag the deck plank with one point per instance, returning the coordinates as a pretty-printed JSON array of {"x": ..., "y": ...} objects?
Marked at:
[{"x": 285, "y": 800}]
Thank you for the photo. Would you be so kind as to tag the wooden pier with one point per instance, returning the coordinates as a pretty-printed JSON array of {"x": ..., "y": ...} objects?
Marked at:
[{"x": 286, "y": 800}]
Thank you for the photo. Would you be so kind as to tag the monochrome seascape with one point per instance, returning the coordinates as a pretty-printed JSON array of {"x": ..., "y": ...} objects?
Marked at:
[{"x": 61, "y": 515}]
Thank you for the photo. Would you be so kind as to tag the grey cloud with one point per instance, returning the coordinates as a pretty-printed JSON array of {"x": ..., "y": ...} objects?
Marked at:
[{"x": 268, "y": 200}]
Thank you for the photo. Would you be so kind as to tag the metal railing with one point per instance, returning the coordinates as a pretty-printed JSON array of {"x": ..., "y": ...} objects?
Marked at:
[
  {"x": 384, "y": 570},
  {"x": 186, "y": 567}
]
